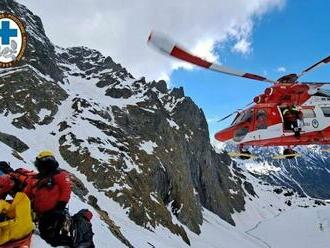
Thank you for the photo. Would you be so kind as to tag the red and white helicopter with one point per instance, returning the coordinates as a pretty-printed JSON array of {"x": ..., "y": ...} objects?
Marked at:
[{"x": 263, "y": 124}]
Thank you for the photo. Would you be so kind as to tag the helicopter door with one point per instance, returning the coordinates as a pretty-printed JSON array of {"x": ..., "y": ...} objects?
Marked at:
[
  {"x": 260, "y": 123},
  {"x": 261, "y": 119},
  {"x": 310, "y": 122},
  {"x": 244, "y": 124}
]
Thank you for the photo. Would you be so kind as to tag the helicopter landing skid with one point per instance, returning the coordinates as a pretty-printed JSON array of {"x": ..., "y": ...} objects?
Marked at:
[
  {"x": 288, "y": 156},
  {"x": 288, "y": 153},
  {"x": 242, "y": 155}
]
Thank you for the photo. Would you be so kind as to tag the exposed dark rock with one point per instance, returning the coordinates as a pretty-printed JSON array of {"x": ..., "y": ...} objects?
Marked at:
[
  {"x": 278, "y": 190},
  {"x": 119, "y": 93},
  {"x": 249, "y": 188},
  {"x": 160, "y": 85},
  {"x": 320, "y": 203},
  {"x": 106, "y": 218},
  {"x": 289, "y": 193},
  {"x": 13, "y": 142}
]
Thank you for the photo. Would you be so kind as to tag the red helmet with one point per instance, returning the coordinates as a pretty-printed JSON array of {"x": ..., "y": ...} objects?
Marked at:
[
  {"x": 89, "y": 215},
  {"x": 86, "y": 213},
  {"x": 6, "y": 184}
]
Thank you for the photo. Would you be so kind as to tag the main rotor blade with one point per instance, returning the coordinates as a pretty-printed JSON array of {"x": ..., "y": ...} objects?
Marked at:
[
  {"x": 316, "y": 84},
  {"x": 165, "y": 45},
  {"x": 313, "y": 67}
]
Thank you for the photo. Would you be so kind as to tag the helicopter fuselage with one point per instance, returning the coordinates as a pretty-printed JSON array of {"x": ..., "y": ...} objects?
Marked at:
[{"x": 263, "y": 125}]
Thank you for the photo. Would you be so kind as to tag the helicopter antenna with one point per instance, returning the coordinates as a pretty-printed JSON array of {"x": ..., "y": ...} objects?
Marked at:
[
  {"x": 235, "y": 112},
  {"x": 169, "y": 47},
  {"x": 227, "y": 116}
]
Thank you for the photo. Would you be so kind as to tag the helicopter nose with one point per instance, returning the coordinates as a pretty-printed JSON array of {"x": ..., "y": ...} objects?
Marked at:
[{"x": 224, "y": 135}]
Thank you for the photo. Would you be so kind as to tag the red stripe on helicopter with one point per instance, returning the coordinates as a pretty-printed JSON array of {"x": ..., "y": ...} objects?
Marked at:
[
  {"x": 253, "y": 76},
  {"x": 180, "y": 54}
]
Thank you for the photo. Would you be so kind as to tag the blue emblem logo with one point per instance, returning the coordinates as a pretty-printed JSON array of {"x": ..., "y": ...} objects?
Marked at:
[
  {"x": 12, "y": 40},
  {"x": 315, "y": 123}
]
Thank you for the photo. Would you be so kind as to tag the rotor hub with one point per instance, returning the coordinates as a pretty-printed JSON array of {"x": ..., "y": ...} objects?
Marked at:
[{"x": 287, "y": 79}]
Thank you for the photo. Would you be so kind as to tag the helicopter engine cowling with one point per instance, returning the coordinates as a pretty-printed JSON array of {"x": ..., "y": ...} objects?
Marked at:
[
  {"x": 269, "y": 91},
  {"x": 259, "y": 99},
  {"x": 313, "y": 91}
]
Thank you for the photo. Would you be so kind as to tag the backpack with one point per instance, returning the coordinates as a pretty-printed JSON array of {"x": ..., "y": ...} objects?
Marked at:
[
  {"x": 54, "y": 228},
  {"x": 81, "y": 230},
  {"x": 21, "y": 178},
  {"x": 59, "y": 228}
]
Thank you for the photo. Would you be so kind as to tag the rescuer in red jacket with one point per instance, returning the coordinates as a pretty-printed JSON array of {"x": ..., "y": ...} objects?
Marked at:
[
  {"x": 50, "y": 192},
  {"x": 50, "y": 189}
]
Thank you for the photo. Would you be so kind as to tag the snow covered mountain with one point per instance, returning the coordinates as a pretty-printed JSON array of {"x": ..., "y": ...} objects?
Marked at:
[
  {"x": 308, "y": 174},
  {"x": 139, "y": 153}
]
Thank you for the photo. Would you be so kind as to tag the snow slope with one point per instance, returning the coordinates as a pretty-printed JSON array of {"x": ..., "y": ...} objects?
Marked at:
[
  {"x": 277, "y": 224},
  {"x": 297, "y": 228}
]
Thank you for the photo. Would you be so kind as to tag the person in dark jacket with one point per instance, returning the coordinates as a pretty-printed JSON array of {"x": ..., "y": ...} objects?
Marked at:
[
  {"x": 293, "y": 118},
  {"x": 81, "y": 229}
]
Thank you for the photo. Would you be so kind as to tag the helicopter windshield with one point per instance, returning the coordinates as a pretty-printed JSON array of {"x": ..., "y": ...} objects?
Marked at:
[{"x": 242, "y": 117}]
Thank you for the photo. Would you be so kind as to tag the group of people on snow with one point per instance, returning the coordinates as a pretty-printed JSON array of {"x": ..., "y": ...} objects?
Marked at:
[{"x": 47, "y": 193}]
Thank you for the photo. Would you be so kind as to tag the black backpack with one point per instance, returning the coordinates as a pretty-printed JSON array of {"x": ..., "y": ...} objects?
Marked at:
[
  {"x": 81, "y": 230},
  {"x": 54, "y": 228}
]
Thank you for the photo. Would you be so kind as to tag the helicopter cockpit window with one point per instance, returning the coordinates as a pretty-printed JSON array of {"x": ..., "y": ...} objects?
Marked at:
[
  {"x": 261, "y": 119},
  {"x": 245, "y": 116}
]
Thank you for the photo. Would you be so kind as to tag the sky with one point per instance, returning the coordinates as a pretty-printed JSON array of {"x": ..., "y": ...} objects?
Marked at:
[{"x": 266, "y": 37}]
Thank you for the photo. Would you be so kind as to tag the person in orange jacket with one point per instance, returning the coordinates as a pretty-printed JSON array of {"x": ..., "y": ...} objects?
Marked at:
[
  {"x": 50, "y": 189},
  {"x": 13, "y": 181},
  {"x": 50, "y": 192},
  {"x": 6, "y": 185}
]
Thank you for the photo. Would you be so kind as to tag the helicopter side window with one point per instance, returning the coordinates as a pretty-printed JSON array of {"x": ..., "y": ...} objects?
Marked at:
[
  {"x": 249, "y": 116},
  {"x": 308, "y": 113},
  {"x": 261, "y": 119},
  {"x": 326, "y": 111}
]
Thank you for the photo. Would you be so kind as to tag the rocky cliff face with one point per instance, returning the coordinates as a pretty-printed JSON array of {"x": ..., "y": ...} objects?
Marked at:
[{"x": 143, "y": 145}]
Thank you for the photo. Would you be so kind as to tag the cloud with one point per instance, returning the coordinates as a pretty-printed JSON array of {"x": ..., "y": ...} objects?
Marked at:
[
  {"x": 120, "y": 28},
  {"x": 281, "y": 69},
  {"x": 242, "y": 46}
]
